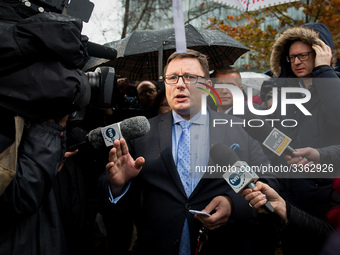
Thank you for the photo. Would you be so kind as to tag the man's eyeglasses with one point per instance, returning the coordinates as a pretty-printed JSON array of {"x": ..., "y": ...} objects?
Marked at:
[
  {"x": 302, "y": 56},
  {"x": 189, "y": 79}
]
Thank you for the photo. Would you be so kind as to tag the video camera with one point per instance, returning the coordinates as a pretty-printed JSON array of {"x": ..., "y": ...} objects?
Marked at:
[
  {"x": 103, "y": 83},
  {"x": 40, "y": 72},
  {"x": 81, "y": 9},
  {"x": 103, "y": 86}
]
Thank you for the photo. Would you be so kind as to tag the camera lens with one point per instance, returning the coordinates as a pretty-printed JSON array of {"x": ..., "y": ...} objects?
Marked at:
[{"x": 94, "y": 78}]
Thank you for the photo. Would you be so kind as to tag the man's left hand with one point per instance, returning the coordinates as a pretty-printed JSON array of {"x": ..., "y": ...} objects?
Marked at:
[
  {"x": 222, "y": 205},
  {"x": 323, "y": 54}
]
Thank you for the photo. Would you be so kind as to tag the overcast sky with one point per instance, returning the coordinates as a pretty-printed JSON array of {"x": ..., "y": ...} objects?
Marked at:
[{"x": 105, "y": 22}]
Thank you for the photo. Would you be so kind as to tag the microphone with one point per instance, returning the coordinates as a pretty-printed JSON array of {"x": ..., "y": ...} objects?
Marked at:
[
  {"x": 270, "y": 137},
  {"x": 100, "y": 51},
  {"x": 239, "y": 176},
  {"x": 103, "y": 137}
]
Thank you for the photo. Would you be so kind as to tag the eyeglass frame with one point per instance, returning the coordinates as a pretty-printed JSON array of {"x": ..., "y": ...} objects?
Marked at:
[
  {"x": 182, "y": 76},
  {"x": 298, "y": 56}
]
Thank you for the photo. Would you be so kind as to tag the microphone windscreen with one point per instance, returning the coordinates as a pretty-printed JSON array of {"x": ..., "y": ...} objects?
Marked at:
[
  {"x": 222, "y": 155},
  {"x": 134, "y": 127},
  {"x": 95, "y": 137},
  {"x": 130, "y": 129}
]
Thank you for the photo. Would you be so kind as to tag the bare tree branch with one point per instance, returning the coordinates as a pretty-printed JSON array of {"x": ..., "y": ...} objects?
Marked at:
[
  {"x": 144, "y": 11},
  {"x": 126, "y": 18}
]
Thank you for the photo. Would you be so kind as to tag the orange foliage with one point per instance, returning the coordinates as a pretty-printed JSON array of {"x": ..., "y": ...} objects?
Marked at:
[{"x": 260, "y": 41}]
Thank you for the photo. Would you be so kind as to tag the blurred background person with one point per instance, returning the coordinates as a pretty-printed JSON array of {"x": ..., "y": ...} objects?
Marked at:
[
  {"x": 147, "y": 92},
  {"x": 161, "y": 103},
  {"x": 231, "y": 76},
  {"x": 226, "y": 75},
  {"x": 266, "y": 94}
]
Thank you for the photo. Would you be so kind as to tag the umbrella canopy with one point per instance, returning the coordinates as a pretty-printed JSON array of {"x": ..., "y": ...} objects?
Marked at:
[
  {"x": 253, "y": 80},
  {"x": 137, "y": 54},
  {"x": 252, "y": 5}
]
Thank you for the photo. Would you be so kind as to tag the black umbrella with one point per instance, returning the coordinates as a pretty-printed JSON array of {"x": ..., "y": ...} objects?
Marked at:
[{"x": 139, "y": 53}]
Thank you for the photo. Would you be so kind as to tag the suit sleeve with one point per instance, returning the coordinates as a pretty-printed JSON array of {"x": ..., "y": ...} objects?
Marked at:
[
  {"x": 330, "y": 155},
  {"x": 299, "y": 220}
]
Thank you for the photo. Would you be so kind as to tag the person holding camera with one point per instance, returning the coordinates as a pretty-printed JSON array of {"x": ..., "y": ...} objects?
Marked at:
[
  {"x": 29, "y": 217},
  {"x": 41, "y": 85}
]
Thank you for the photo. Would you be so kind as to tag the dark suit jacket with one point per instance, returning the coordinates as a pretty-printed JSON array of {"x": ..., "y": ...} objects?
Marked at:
[{"x": 165, "y": 205}]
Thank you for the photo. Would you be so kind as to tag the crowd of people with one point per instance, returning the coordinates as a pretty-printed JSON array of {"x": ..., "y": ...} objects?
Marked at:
[{"x": 145, "y": 195}]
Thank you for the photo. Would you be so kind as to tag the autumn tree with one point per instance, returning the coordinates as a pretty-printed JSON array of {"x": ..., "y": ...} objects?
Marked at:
[{"x": 259, "y": 29}]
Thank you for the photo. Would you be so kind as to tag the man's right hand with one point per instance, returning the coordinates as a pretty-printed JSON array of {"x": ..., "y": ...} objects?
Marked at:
[
  {"x": 304, "y": 156},
  {"x": 257, "y": 199},
  {"x": 121, "y": 167}
]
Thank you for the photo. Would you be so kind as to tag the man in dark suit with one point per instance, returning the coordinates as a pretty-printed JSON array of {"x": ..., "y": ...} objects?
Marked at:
[{"x": 151, "y": 163}]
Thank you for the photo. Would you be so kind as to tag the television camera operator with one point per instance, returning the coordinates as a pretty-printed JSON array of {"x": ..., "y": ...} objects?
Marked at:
[{"x": 41, "y": 84}]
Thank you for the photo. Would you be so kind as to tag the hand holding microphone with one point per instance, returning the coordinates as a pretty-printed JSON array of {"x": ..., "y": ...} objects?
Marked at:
[
  {"x": 240, "y": 175},
  {"x": 256, "y": 199},
  {"x": 302, "y": 155},
  {"x": 278, "y": 143}
]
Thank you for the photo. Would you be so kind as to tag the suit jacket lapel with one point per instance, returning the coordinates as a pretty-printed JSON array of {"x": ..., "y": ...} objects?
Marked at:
[
  {"x": 215, "y": 137},
  {"x": 165, "y": 138}
]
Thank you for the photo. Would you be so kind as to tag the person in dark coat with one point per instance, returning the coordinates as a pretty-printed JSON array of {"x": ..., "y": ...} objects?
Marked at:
[
  {"x": 302, "y": 58},
  {"x": 332, "y": 245},
  {"x": 290, "y": 218},
  {"x": 41, "y": 84},
  {"x": 29, "y": 217},
  {"x": 40, "y": 60}
]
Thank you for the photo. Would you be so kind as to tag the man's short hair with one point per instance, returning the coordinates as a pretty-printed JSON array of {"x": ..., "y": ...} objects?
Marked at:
[
  {"x": 203, "y": 59},
  {"x": 152, "y": 82},
  {"x": 225, "y": 70}
]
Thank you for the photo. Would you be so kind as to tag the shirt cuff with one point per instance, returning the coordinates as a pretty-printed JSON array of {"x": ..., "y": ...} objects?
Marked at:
[{"x": 116, "y": 199}]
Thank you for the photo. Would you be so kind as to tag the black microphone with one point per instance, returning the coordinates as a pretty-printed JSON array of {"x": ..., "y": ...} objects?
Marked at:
[
  {"x": 103, "y": 137},
  {"x": 270, "y": 137},
  {"x": 238, "y": 175},
  {"x": 100, "y": 51}
]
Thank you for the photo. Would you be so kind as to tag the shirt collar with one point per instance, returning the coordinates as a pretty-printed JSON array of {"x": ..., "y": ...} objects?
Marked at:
[
  {"x": 227, "y": 111},
  {"x": 198, "y": 118},
  {"x": 302, "y": 86}
]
